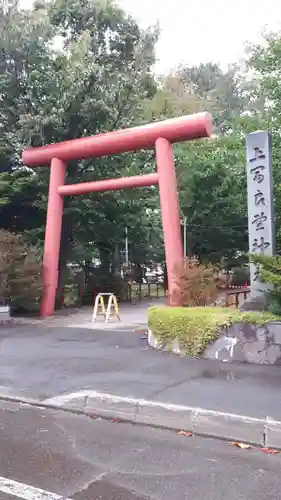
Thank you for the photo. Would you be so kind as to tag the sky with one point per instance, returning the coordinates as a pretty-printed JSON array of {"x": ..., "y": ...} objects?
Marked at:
[{"x": 203, "y": 30}]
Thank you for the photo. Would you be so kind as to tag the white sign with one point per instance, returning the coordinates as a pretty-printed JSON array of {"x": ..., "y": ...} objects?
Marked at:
[{"x": 260, "y": 201}]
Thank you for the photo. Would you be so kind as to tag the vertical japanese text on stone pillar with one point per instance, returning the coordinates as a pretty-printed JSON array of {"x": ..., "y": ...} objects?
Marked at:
[{"x": 260, "y": 200}]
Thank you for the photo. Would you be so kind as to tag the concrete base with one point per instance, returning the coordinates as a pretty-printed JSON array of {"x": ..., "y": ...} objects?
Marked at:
[{"x": 241, "y": 342}]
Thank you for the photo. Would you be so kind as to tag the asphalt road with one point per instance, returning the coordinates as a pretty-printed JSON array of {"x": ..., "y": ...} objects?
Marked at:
[
  {"x": 77, "y": 458},
  {"x": 61, "y": 360}
]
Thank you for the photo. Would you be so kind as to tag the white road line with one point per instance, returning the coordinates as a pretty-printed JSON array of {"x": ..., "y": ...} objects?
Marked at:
[{"x": 26, "y": 492}]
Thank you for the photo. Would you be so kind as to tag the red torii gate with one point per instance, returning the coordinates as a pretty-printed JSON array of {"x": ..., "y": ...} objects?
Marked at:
[{"x": 160, "y": 135}]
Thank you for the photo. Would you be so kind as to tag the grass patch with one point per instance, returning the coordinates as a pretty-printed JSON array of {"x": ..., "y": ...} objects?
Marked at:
[{"x": 196, "y": 327}]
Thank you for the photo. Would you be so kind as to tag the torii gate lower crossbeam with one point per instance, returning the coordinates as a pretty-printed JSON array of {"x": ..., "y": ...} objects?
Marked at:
[{"x": 160, "y": 135}]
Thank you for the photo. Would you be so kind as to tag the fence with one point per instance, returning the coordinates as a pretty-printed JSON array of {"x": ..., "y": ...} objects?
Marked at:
[
  {"x": 141, "y": 291},
  {"x": 129, "y": 292},
  {"x": 235, "y": 296}
]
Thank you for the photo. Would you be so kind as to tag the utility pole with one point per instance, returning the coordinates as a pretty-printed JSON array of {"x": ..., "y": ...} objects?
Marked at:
[
  {"x": 184, "y": 236},
  {"x": 126, "y": 247}
]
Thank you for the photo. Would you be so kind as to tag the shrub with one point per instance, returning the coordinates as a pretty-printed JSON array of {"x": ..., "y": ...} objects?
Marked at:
[
  {"x": 198, "y": 284},
  {"x": 20, "y": 272},
  {"x": 105, "y": 284},
  {"x": 70, "y": 295},
  {"x": 269, "y": 269},
  {"x": 197, "y": 327},
  {"x": 240, "y": 276}
]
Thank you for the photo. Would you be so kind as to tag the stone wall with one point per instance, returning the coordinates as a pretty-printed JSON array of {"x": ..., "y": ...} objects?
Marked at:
[
  {"x": 4, "y": 313},
  {"x": 248, "y": 343},
  {"x": 242, "y": 342}
]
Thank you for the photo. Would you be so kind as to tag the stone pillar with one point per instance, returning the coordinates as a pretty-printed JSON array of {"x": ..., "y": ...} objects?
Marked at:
[{"x": 260, "y": 203}]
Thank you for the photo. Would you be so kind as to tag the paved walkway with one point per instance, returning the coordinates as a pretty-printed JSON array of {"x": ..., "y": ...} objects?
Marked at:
[{"x": 130, "y": 316}]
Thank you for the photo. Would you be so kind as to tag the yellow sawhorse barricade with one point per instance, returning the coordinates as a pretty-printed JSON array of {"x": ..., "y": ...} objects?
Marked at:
[{"x": 99, "y": 307}]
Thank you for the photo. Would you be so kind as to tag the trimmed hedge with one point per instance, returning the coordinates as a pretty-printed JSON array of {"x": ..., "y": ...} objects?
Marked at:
[{"x": 196, "y": 327}]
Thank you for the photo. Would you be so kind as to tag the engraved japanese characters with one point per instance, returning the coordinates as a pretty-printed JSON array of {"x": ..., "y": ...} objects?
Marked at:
[{"x": 260, "y": 200}]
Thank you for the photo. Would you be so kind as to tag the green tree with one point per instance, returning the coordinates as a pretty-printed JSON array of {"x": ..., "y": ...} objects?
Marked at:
[
  {"x": 211, "y": 173},
  {"x": 88, "y": 71},
  {"x": 173, "y": 99},
  {"x": 221, "y": 91},
  {"x": 20, "y": 272},
  {"x": 265, "y": 63},
  {"x": 213, "y": 197}
]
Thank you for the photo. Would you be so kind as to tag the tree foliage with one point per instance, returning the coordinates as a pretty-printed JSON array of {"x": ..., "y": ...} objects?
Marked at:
[
  {"x": 88, "y": 71},
  {"x": 213, "y": 197},
  {"x": 73, "y": 68},
  {"x": 265, "y": 102},
  {"x": 269, "y": 269},
  {"x": 220, "y": 90},
  {"x": 20, "y": 271},
  {"x": 198, "y": 284}
]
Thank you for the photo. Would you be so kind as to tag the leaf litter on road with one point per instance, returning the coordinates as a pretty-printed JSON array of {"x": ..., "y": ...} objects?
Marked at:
[
  {"x": 270, "y": 451},
  {"x": 243, "y": 446}
]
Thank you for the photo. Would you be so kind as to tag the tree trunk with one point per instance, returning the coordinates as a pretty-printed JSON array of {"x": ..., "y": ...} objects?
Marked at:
[
  {"x": 116, "y": 261},
  {"x": 105, "y": 258}
]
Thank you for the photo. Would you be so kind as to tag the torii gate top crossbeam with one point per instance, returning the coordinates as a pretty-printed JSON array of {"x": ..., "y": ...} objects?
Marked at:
[{"x": 180, "y": 129}]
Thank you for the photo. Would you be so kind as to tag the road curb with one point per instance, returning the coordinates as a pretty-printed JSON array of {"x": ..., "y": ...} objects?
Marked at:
[{"x": 264, "y": 432}]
